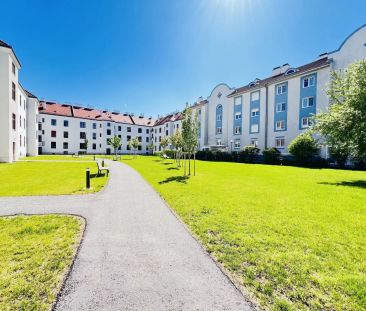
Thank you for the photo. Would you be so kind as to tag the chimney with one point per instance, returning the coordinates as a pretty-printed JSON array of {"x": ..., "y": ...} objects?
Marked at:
[
  {"x": 276, "y": 71},
  {"x": 284, "y": 67}
]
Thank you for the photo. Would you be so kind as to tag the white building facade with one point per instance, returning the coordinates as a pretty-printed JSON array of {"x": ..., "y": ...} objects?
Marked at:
[{"x": 265, "y": 113}]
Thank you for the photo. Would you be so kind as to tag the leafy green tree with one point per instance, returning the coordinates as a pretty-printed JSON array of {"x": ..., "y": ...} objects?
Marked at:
[
  {"x": 177, "y": 143},
  {"x": 164, "y": 142},
  {"x": 134, "y": 144},
  {"x": 150, "y": 147},
  {"x": 115, "y": 142},
  {"x": 190, "y": 127},
  {"x": 304, "y": 147},
  {"x": 344, "y": 124}
]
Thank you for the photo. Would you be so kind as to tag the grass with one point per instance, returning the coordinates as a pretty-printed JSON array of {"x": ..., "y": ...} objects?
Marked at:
[
  {"x": 59, "y": 158},
  {"x": 35, "y": 254},
  {"x": 293, "y": 237},
  {"x": 47, "y": 178}
]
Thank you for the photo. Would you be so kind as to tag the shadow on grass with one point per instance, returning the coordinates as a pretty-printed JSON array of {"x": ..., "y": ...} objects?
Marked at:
[
  {"x": 354, "y": 183},
  {"x": 173, "y": 168},
  {"x": 97, "y": 176},
  {"x": 167, "y": 163},
  {"x": 180, "y": 179}
]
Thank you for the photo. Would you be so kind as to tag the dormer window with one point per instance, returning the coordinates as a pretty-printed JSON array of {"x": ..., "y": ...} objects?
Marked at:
[{"x": 290, "y": 71}]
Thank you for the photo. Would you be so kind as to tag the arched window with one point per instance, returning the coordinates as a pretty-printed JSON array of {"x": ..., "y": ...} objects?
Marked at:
[{"x": 290, "y": 71}]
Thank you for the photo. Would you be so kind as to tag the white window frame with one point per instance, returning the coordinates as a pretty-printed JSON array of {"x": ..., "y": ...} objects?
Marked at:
[
  {"x": 256, "y": 126},
  {"x": 237, "y": 144},
  {"x": 219, "y": 143},
  {"x": 254, "y": 112},
  {"x": 305, "y": 102},
  {"x": 237, "y": 130},
  {"x": 254, "y": 142},
  {"x": 219, "y": 130},
  {"x": 238, "y": 100},
  {"x": 219, "y": 117},
  {"x": 280, "y": 89},
  {"x": 308, "y": 79},
  {"x": 280, "y": 128},
  {"x": 281, "y": 141},
  {"x": 282, "y": 104},
  {"x": 237, "y": 115},
  {"x": 307, "y": 123},
  {"x": 254, "y": 96}
]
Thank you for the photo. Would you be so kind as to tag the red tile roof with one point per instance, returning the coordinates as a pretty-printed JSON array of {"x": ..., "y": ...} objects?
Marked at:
[
  {"x": 55, "y": 109},
  {"x": 143, "y": 121},
  {"x": 273, "y": 79}
]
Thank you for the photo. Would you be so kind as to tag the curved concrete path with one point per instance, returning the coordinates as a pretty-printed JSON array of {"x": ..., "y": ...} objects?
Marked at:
[{"x": 136, "y": 255}]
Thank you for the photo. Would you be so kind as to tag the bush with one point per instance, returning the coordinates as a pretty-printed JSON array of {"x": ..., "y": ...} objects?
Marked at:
[
  {"x": 304, "y": 147},
  {"x": 271, "y": 156},
  {"x": 340, "y": 154},
  {"x": 249, "y": 154},
  {"x": 170, "y": 153}
]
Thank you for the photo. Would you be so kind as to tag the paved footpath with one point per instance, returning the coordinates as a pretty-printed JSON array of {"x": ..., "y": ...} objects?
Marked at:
[{"x": 136, "y": 255}]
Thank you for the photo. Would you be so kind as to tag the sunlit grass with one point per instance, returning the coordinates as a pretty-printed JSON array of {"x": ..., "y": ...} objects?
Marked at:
[
  {"x": 294, "y": 237},
  {"x": 35, "y": 254}
]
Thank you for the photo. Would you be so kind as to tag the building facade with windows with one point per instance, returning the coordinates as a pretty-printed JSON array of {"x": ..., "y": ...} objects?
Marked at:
[{"x": 265, "y": 113}]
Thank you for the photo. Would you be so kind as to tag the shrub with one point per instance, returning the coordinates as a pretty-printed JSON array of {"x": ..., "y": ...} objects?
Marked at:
[
  {"x": 170, "y": 153},
  {"x": 304, "y": 147},
  {"x": 271, "y": 156},
  {"x": 340, "y": 154},
  {"x": 249, "y": 154}
]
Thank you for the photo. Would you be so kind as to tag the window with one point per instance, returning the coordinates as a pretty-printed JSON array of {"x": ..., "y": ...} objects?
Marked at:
[
  {"x": 255, "y": 96},
  {"x": 65, "y": 145},
  {"x": 13, "y": 91},
  {"x": 237, "y": 115},
  {"x": 20, "y": 140},
  {"x": 147, "y": 139},
  {"x": 219, "y": 143},
  {"x": 254, "y": 128},
  {"x": 166, "y": 133},
  {"x": 280, "y": 107},
  {"x": 94, "y": 146},
  {"x": 218, "y": 130},
  {"x": 20, "y": 100},
  {"x": 82, "y": 135},
  {"x": 53, "y": 145},
  {"x": 66, "y": 123},
  {"x": 20, "y": 121},
  {"x": 147, "y": 131},
  {"x": 94, "y": 135},
  {"x": 309, "y": 81},
  {"x": 66, "y": 134},
  {"x": 140, "y": 130},
  {"x": 14, "y": 121},
  {"x": 53, "y": 122},
  {"x": 177, "y": 126},
  {"x": 13, "y": 68},
  {"x": 109, "y": 132},
  {"x": 237, "y": 144},
  {"x": 94, "y": 126},
  {"x": 119, "y": 128},
  {"x": 128, "y": 138},
  {"x": 159, "y": 129},
  {"x": 307, "y": 102},
  {"x": 108, "y": 124},
  {"x": 237, "y": 130},
  {"x": 254, "y": 112},
  {"x": 281, "y": 89},
  {"x": 53, "y": 133},
  {"x": 219, "y": 117},
  {"x": 306, "y": 122},
  {"x": 39, "y": 126},
  {"x": 280, "y": 142},
  {"x": 159, "y": 139},
  {"x": 139, "y": 139},
  {"x": 280, "y": 125},
  {"x": 82, "y": 125},
  {"x": 254, "y": 142},
  {"x": 128, "y": 129},
  {"x": 237, "y": 101}
]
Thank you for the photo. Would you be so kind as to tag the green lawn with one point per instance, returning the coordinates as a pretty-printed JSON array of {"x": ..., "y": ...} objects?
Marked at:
[
  {"x": 294, "y": 237},
  {"x": 59, "y": 158},
  {"x": 47, "y": 178},
  {"x": 35, "y": 254}
]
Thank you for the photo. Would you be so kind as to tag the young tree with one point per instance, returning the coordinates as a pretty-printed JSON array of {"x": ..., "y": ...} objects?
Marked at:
[
  {"x": 177, "y": 142},
  {"x": 344, "y": 124},
  {"x": 150, "y": 147},
  {"x": 190, "y": 126},
  {"x": 164, "y": 142},
  {"x": 304, "y": 147},
  {"x": 115, "y": 142},
  {"x": 134, "y": 144}
]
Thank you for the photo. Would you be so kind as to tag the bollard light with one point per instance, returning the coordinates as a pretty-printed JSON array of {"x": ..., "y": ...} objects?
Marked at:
[
  {"x": 87, "y": 178},
  {"x": 103, "y": 163}
]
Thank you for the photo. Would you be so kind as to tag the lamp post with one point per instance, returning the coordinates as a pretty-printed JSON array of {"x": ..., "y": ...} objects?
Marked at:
[
  {"x": 231, "y": 146},
  {"x": 87, "y": 177}
]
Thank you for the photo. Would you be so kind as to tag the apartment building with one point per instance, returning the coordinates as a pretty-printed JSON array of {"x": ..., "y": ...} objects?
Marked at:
[{"x": 268, "y": 112}]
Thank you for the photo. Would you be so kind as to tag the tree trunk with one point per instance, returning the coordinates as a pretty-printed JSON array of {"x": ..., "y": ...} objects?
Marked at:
[
  {"x": 189, "y": 164},
  {"x": 184, "y": 163},
  {"x": 194, "y": 164}
]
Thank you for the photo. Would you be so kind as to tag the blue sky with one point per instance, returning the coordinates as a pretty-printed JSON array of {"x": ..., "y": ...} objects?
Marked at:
[{"x": 153, "y": 56}]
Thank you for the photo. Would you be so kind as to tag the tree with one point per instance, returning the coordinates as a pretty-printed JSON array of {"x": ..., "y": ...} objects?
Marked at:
[
  {"x": 190, "y": 126},
  {"x": 134, "y": 144},
  {"x": 115, "y": 142},
  {"x": 150, "y": 147},
  {"x": 304, "y": 147},
  {"x": 164, "y": 142},
  {"x": 344, "y": 124},
  {"x": 177, "y": 143}
]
